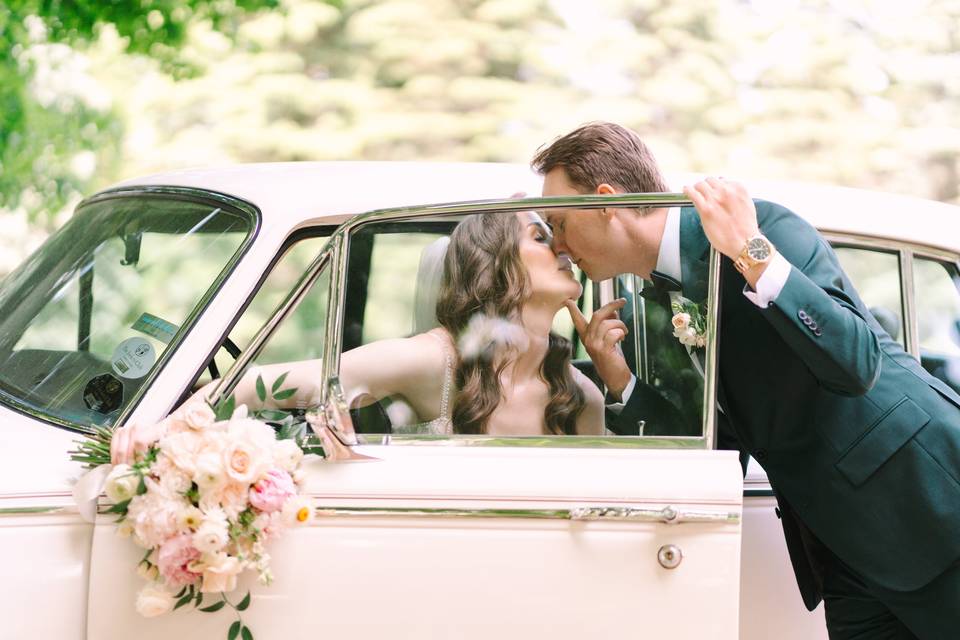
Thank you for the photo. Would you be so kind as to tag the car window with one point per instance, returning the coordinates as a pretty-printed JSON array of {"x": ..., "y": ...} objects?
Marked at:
[
  {"x": 937, "y": 290},
  {"x": 87, "y": 318},
  {"x": 389, "y": 263},
  {"x": 876, "y": 276}
]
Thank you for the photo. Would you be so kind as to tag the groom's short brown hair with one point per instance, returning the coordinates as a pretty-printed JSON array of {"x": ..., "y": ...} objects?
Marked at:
[{"x": 602, "y": 152}]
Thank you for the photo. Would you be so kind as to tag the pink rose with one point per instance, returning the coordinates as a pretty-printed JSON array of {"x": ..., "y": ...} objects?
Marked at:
[
  {"x": 272, "y": 490},
  {"x": 174, "y": 557}
]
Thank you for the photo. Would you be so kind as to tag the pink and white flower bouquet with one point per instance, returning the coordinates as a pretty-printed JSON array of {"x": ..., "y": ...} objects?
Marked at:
[{"x": 204, "y": 499}]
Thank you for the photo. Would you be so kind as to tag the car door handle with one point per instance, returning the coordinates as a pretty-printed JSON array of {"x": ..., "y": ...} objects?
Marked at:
[{"x": 667, "y": 515}]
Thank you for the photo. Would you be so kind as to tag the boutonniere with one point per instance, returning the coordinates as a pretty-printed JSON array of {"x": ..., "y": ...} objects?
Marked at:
[{"x": 689, "y": 322}]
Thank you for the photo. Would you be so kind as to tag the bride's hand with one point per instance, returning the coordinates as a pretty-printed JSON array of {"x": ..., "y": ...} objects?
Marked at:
[
  {"x": 601, "y": 337},
  {"x": 129, "y": 440}
]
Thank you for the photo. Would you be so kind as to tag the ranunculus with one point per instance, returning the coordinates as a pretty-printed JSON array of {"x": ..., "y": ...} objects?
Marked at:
[
  {"x": 189, "y": 518},
  {"x": 211, "y": 536},
  {"x": 243, "y": 462},
  {"x": 287, "y": 454},
  {"x": 272, "y": 490},
  {"x": 681, "y": 320},
  {"x": 121, "y": 484},
  {"x": 154, "y": 601},
  {"x": 174, "y": 558},
  {"x": 298, "y": 510},
  {"x": 199, "y": 415},
  {"x": 220, "y": 573}
]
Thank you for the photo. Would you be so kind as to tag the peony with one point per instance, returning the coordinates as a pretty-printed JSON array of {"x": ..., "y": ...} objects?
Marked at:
[
  {"x": 297, "y": 511},
  {"x": 211, "y": 535},
  {"x": 220, "y": 573},
  {"x": 272, "y": 490},
  {"x": 287, "y": 454},
  {"x": 155, "y": 514},
  {"x": 121, "y": 484},
  {"x": 198, "y": 415},
  {"x": 681, "y": 321},
  {"x": 174, "y": 558},
  {"x": 154, "y": 601}
]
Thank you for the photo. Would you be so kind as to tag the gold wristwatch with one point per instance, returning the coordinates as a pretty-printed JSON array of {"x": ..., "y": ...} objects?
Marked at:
[{"x": 756, "y": 250}]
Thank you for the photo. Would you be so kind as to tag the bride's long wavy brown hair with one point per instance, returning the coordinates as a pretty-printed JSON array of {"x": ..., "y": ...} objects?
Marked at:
[{"x": 483, "y": 274}]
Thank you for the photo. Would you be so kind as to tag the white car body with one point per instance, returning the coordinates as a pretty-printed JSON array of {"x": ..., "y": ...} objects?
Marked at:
[{"x": 410, "y": 573}]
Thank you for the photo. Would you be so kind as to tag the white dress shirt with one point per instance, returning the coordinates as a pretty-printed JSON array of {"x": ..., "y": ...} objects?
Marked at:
[{"x": 769, "y": 285}]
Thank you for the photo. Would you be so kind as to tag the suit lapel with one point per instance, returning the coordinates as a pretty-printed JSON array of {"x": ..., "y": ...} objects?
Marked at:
[{"x": 694, "y": 253}]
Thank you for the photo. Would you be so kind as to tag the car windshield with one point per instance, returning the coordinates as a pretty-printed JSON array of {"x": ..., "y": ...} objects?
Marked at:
[{"x": 88, "y": 317}]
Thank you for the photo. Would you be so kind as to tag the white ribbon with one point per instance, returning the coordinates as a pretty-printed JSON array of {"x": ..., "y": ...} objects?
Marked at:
[{"x": 88, "y": 490}]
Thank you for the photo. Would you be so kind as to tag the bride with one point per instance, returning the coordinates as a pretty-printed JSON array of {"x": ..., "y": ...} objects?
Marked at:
[{"x": 492, "y": 366}]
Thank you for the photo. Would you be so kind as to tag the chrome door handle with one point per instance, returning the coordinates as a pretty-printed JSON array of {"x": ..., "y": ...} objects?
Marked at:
[{"x": 667, "y": 515}]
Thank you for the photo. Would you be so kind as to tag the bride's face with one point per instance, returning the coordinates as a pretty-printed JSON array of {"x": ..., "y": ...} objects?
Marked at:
[{"x": 550, "y": 276}]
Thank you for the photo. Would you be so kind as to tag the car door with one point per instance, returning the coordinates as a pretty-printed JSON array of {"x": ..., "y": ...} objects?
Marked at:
[{"x": 471, "y": 536}]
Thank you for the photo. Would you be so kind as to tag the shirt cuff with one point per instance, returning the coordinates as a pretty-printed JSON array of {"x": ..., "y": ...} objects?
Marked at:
[
  {"x": 627, "y": 390},
  {"x": 770, "y": 284}
]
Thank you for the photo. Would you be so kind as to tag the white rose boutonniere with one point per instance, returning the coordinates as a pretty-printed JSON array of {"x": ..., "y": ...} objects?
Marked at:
[{"x": 689, "y": 323}]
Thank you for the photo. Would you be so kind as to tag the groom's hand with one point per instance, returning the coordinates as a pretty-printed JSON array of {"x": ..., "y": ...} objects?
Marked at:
[
  {"x": 727, "y": 213},
  {"x": 601, "y": 336}
]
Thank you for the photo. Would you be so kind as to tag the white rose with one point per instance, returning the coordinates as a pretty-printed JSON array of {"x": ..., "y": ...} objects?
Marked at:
[
  {"x": 287, "y": 454},
  {"x": 154, "y": 601},
  {"x": 121, "y": 484},
  {"x": 688, "y": 337},
  {"x": 199, "y": 415},
  {"x": 297, "y": 511},
  {"x": 211, "y": 536},
  {"x": 244, "y": 462},
  {"x": 182, "y": 449},
  {"x": 220, "y": 573}
]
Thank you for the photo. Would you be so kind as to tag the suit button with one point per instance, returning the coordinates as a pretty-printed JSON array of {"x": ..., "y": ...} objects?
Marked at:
[
  {"x": 760, "y": 455},
  {"x": 802, "y": 315},
  {"x": 817, "y": 332}
]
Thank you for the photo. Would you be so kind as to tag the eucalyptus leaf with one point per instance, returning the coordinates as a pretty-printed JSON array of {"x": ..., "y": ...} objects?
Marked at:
[
  {"x": 182, "y": 601},
  {"x": 246, "y": 633},
  {"x": 283, "y": 395},
  {"x": 234, "y": 631},
  {"x": 243, "y": 604},
  {"x": 216, "y": 606}
]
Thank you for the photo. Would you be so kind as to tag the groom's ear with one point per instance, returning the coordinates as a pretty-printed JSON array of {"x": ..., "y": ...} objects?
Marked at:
[{"x": 604, "y": 189}]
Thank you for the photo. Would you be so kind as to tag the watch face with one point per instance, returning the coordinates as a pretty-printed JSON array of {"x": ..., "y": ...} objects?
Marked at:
[{"x": 758, "y": 249}]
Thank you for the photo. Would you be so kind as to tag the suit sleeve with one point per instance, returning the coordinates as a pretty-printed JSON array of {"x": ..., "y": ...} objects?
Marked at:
[{"x": 816, "y": 313}]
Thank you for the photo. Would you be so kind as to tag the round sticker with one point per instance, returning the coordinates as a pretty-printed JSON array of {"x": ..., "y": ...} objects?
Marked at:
[{"x": 133, "y": 358}]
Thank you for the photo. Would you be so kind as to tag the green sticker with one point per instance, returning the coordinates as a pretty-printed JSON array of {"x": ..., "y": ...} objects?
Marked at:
[{"x": 156, "y": 327}]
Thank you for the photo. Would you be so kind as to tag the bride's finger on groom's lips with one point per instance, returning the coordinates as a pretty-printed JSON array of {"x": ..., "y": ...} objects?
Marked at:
[{"x": 579, "y": 321}]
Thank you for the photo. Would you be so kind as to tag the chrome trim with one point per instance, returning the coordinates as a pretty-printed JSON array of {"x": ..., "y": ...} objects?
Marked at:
[
  {"x": 45, "y": 510},
  {"x": 908, "y": 299},
  {"x": 558, "y": 442},
  {"x": 710, "y": 360},
  {"x": 667, "y": 515},
  {"x": 889, "y": 244}
]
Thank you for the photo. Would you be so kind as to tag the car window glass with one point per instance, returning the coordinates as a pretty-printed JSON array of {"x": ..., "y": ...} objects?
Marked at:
[
  {"x": 87, "y": 317},
  {"x": 388, "y": 261},
  {"x": 875, "y": 275},
  {"x": 937, "y": 287}
]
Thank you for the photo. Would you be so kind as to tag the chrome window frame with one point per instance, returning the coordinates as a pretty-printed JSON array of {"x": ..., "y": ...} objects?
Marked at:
[
  {"x": 190, "y": 194},
  {"x": 335, "y": 253}
]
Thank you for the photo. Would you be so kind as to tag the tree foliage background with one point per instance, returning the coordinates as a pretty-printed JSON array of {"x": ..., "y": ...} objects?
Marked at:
[{"x": 856, "y": 92}]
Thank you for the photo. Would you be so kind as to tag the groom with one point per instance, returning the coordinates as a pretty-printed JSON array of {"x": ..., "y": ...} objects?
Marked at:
[{"x": 861, "y": 444}]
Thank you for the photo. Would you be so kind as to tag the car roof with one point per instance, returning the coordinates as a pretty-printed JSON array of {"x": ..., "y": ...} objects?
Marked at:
[{"x": 294, "y": 193}]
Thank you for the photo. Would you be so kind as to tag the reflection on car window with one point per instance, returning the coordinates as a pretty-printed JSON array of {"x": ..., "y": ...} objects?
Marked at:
[
  {"x": 937, "y": 287},
  {"x": 86, "y": 318},
  {"x": 875, "y": 275}
]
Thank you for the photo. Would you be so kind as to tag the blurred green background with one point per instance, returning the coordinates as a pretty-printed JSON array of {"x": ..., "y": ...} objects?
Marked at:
[{"x": 858, "y": 92}]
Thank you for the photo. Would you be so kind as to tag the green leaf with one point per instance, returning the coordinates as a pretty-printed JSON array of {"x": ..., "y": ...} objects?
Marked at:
[
  {"x": 271, "y": 415},
  {"x": 179, "y": 593},
  {"x": 283, "y": 395},
  {"x": 243, "y": 604},
  {"x": 182, "y": 601},
  {"x": 141, "y": 486},
  {"x": 261, "y": 389},
  {"x": 199, "y": 599},
  {"x": 225, "y": 408},
  {"x": 246, "y": 633},
  {"x": 120, "y": 507},
  {"x": 278, "y": 382},
  {"x": 292, "y": 431},
  {"x": 234, "y": 631},
  {"x": 216, "y": 606}
]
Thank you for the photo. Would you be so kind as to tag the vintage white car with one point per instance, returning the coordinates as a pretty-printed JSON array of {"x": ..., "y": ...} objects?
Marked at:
[{"x": 162, "y": 283}]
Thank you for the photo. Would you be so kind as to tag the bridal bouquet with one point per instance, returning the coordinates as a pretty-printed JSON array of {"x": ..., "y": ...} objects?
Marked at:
[{"x": 203, "y": 500}]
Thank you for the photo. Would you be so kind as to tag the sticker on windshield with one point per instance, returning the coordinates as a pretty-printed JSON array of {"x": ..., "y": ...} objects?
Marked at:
[
  {"x": 133, "y": 358},
  {"x": 156, "y": 327}
]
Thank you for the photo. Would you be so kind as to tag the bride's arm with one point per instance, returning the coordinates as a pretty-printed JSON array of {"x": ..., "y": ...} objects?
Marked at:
[
  {"x": 402, "y": 366},
  {"x": 590, "y": 421}
]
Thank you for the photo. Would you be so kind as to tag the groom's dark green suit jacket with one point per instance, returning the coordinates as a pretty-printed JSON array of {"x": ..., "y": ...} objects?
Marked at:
[{"x": 858, "y": 440}]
